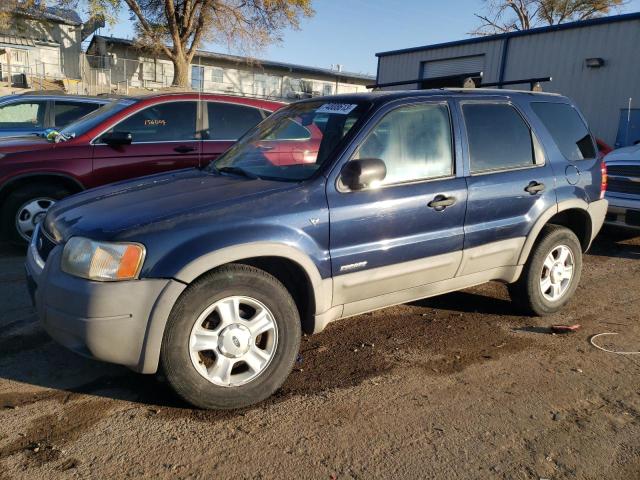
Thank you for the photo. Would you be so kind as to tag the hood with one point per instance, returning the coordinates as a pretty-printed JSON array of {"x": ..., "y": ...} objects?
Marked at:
[
  {"x": 627, "y": 153},
  {"x": 112, "y": 211},
  {"x": 25, "y": 143}
]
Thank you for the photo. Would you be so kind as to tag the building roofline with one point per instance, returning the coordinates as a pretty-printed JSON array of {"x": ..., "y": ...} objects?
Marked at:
[
  {"x": 520, "y": 33},
  {"x": 65, "y": 16},
  {"x": 266, "y": 63}
]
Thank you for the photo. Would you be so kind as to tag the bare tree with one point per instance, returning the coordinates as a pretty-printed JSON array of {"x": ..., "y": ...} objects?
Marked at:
[
  {"x": 502, "y": 16},
  {"x": 177, "y": 28}
]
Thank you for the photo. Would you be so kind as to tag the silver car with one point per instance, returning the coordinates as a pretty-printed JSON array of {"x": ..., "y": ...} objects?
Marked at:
[
  {"x": 623, "y": 189},
  {"x": 35, "y": 113}
]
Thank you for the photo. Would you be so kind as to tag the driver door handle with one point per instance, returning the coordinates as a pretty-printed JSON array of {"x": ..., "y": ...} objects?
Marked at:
[
  {"x": 184, "y": 149},
  {"x": 440, "y": 202},
  {"x": 534, "y": 187}
]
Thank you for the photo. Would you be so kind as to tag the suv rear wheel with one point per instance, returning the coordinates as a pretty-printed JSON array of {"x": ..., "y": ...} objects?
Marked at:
[
  {"x": 231, "y": 339},
  {"x": 551, "y": 274},
  {"x": 27, "y": 206}
]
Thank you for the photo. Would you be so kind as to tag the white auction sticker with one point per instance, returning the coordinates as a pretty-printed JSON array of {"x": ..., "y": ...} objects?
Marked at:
[{"x": 337, "y": 108}]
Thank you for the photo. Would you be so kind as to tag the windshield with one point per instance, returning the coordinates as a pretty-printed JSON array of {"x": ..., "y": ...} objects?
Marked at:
[
  {"x": 292, "y": 143},
  {"x": 86, "y": 123}
]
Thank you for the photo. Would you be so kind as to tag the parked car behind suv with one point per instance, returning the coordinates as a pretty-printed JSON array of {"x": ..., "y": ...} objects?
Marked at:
[
  {"x": 213, "y": 273},
  {"x": 124, "y": 139},
  {"x": 35, "y": 113},
  {"x": 623, "y": 192}
]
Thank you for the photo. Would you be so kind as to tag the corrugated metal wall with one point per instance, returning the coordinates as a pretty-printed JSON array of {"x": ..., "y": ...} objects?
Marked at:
[
  {"x": 600, "y": 93},
  {"x": 396, "y": 68}
]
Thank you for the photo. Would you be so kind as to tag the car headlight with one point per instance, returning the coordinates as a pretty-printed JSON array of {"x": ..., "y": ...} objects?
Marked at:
[{"x": 102, "y": 261}]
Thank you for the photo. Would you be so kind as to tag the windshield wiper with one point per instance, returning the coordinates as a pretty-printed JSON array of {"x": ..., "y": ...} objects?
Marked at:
[{"x": 236, "y": 171}]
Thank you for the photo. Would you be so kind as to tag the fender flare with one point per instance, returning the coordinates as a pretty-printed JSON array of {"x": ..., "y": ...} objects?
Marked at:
[
  {"x": 544, "y": 219},
  {"x": 322, "y": 288}
]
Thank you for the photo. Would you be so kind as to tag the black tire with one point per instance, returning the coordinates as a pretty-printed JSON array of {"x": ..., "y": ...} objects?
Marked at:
[
  {"x": 20, "y": 197},
  {"x": 527, "y": 292},
  {"x": 230, "y": 280}
]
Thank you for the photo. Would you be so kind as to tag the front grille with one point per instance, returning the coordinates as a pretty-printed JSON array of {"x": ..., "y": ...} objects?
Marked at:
[
  {"x": 44, "y": 244},
  {"x": 624, "y": 170},
  {"x": 621, "y": 185}
]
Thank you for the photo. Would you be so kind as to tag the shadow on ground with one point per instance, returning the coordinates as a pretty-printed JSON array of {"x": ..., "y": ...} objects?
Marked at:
[{"x": 616, "y": 242}]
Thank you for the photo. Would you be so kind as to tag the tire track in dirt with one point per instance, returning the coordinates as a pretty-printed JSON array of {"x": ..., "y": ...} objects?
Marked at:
[{"x": 46, "y": 434}]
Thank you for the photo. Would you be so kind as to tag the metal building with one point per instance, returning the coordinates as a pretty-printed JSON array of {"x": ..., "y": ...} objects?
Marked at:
[{"x": 595, "y": 62}]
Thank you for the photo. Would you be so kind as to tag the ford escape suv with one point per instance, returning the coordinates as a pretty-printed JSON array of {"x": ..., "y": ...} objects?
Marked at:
[{"x": 211, "y": 274}]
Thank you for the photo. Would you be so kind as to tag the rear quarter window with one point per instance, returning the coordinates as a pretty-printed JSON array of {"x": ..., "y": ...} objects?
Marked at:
[{"x": 568, "y": 130}]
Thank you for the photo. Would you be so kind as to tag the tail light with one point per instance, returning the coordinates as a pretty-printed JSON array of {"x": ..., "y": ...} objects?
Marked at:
[{"x": 605, "y": 179}]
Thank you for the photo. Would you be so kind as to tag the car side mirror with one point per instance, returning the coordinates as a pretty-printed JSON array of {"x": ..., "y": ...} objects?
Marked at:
[
  {"x": 117, "y": 138},
  {"x": 361, "y": 173}
]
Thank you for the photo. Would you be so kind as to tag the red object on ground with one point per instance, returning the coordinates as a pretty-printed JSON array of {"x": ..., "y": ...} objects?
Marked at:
[{"x": 565, "y": 328}]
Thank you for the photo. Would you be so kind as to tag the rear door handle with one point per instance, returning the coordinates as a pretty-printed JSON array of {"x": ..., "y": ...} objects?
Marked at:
[
  {"x": 440, "y": 202},
  {"x": 184, "y": 149},
  {"x": 534, "y": 187},
  {"x": 266, "y": 147}
]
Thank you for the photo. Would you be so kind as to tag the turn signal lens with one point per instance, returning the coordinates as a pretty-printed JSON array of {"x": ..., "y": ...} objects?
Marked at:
[
  {"x": 604, "y": 181},
  {"x": 102, "y": 261}
]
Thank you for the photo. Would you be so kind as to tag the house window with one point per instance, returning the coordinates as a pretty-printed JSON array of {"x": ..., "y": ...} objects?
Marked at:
[
  {"x": 148, "y": 70},
  {"x": 217, "y": 75},
  {"x": 19, "y": 57},
  {"x": 327, "y": 89}
]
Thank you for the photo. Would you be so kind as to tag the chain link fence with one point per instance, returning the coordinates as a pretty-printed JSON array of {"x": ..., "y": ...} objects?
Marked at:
[
  {"x": 104, "y": 75},
  {"x": 109, "y": 74}
]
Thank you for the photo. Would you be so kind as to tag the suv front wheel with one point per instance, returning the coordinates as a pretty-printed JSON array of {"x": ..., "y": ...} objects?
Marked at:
[
  {"x": 231, "y": 339},
  {"x": 551, "y": 274}
]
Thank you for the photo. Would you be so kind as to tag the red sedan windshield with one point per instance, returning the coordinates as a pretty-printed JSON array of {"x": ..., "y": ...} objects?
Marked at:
[{"x": 294, "y": 142}]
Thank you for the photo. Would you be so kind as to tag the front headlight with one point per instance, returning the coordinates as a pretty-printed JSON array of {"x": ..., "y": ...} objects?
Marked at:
[{"x": 102, "y": 261}]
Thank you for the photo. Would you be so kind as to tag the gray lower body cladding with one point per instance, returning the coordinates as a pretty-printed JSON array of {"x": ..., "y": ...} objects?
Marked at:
[{"x": 110, "y": 321}]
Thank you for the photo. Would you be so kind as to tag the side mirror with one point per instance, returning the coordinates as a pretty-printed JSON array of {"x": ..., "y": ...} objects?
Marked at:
[
  {"x": 117, "y": 138},
  {"x": 359, "y": 174}
]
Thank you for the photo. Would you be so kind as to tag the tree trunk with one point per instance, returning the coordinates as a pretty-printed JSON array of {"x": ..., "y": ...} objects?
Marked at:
[{"x": 180, "y": 72}]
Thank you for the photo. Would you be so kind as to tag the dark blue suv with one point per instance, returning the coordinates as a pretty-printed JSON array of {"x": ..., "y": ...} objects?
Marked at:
[{"x": 329, "y": 208}]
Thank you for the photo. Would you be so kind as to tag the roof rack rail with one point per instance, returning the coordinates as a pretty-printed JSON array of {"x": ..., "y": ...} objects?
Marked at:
[{"x": 534, "y": 83}]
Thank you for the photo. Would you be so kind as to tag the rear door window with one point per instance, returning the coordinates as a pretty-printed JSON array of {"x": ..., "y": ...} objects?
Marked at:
[
  {"x": 166, "y": 122},
  {"x": 499, "y": 138},
  {"x": 567, "y": 129},
  {"x": 66, "y": 112},
  {"x": 228, "y": 121},
  {"x": 23, "y": 115}
]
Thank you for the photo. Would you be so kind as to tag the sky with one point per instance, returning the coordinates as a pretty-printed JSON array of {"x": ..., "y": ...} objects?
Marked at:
[{"x": 350, "y": 32}]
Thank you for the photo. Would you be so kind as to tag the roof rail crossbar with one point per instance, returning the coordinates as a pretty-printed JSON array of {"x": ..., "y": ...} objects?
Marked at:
[{"x": 533, "y": 83}]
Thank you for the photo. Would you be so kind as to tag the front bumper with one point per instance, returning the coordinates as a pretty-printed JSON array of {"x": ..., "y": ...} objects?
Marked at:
[
  {"x": 116, "y": 322},
  {"x": 623, "y": 212}
]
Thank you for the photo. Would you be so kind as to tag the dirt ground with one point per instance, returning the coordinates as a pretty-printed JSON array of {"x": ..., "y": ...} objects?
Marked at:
[{"x": 456, "y": 387}]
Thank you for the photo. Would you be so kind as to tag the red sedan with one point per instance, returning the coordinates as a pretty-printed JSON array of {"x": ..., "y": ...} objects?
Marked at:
[{"x": 124, "y": 139}]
